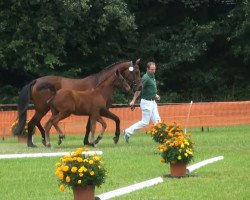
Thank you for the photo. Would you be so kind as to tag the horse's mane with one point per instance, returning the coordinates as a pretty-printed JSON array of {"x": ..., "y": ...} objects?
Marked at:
[{"x": 99, "y": 76}]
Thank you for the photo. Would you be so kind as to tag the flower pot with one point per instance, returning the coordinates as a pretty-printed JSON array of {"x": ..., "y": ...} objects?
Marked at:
[
  {"x": 84, "y": 193},
  {"x": 22, "y": 138},
  {"x": 178, "y": 169}
]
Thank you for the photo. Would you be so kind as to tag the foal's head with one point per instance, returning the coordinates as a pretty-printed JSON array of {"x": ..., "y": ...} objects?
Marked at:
[{"x": 121, "y": 82}]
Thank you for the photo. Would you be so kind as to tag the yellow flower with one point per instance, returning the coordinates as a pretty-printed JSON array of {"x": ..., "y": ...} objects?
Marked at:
[
  {"x": 97, "y": 158},
  {"x": 67, "y": 179},
  {"x": 179, "y": 157},
  {"x": 92, "y": 173},
  {"x": 79, "y": 159},
  {"x": 86, "y": 149},
  {"x": 185, "y": 154},
  {"x": 74, "y": 169},
  {"x": 81, "y": 174},
  {"x": 62, "y": 188},
  {"x": 163, "y": 160},
  {"x": 182, "y": 145},
  {"x": 58, "y": 164},
  {"x": 60, "y": 176},
  {"x": 82, "y": 169},
  {"x": 79, "y": 181},
  {"x": 65, "y": 168},
  {"x": 91, "y": 162}
]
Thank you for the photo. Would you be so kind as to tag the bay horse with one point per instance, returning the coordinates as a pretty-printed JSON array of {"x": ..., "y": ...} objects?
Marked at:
[
  {"x": 128, "y": 69},
  {"x": 65, "y": 102}
]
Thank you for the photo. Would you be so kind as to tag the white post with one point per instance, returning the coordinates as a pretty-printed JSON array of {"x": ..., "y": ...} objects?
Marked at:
[{"x": 188, "y": 116}]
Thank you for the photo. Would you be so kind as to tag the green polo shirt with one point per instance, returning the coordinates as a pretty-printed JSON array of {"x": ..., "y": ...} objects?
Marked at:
[{"x": 149, "y": 89}]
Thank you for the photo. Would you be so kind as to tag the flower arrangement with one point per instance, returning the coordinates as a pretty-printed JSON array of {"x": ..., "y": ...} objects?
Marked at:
[
  {"x": 159, "y": 132},
  {"x": 80, "y": 169},
  {"x": 175, "y": 145},
  {"x": 25, "y": 130}
]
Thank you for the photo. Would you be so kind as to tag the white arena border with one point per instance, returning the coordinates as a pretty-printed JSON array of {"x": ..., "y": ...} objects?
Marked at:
[
  {"x": 37, "y": 155},
  {"x": 151, "y": 182}
]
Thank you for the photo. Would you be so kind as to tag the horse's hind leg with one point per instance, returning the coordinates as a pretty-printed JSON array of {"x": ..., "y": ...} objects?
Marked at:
[
  {"x": 86, "y": 137},
  {"x": 104, "y": 126},
  {"x": 31, "y": 125},
  {"x": 55, "y": 120},
  {"x": 61, "y": 135},
  {"x": 41, "y": 129},
  {"x": 110, "y": 115}
]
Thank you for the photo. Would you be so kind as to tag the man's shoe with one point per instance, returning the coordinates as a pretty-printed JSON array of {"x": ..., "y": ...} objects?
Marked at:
[{"x": 126, "y": 137}]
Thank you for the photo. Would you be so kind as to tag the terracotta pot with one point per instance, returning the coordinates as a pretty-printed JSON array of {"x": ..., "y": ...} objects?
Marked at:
[
  {"x": 84, "y": 193},
  {"x": 22, "y": 138},
  {"x": 178, "y": 169}
]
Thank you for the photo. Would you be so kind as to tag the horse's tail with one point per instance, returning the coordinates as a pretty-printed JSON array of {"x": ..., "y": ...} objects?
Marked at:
[{"x": 23, "y": 104}]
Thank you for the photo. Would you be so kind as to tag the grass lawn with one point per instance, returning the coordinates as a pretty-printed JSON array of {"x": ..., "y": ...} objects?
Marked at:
[{"x": 33, "y": 178}]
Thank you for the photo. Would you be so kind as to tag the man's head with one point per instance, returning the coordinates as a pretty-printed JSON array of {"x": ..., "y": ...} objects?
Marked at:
[{"x": 151, "y": 67}]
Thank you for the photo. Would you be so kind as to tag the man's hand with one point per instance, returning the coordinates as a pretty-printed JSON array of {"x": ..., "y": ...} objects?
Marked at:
[
  {"x": 157, "y": 97},
  {"x": 132, "y": 105}
]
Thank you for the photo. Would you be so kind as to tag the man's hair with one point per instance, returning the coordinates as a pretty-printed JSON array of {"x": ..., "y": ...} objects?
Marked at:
[{"x": 149, "y": 64}]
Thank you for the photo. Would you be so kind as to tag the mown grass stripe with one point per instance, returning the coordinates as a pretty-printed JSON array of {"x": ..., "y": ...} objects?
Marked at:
[{"x": 37, "y": 155}]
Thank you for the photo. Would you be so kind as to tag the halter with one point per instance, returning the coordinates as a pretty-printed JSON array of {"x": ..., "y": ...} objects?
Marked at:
[{"x": 132, "y": 84}]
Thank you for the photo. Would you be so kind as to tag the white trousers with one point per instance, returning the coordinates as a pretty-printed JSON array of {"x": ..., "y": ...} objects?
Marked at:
[{"x": 149, "y": 111}]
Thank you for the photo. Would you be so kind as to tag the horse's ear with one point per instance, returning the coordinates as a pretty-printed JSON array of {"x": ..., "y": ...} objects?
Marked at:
[
  {"x": 137, "y": 61},
  {"x": 117, "y": 72}
]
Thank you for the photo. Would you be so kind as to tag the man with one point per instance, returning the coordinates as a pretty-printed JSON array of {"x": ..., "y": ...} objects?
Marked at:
[{"x": 147, "y": 104}]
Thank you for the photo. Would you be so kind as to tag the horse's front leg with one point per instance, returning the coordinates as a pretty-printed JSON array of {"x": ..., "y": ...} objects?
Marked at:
[
  {"x": 92, "y": 131},
  {"x": 110, "y": 115},
  {"x": 104, "y": 126},
  {"x": 86, "y": 137}
]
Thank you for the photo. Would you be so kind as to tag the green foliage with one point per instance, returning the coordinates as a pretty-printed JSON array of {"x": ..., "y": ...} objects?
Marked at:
[{"x": 201, "y": 47}]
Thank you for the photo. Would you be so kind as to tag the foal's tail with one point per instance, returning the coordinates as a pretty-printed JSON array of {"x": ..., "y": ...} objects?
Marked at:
[{"x": 23, "y": 104}]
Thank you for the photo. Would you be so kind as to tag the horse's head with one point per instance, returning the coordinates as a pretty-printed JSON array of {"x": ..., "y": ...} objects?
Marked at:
[
  {"x": 121, "y": 82},
  {"x": 132, "y": 75}
]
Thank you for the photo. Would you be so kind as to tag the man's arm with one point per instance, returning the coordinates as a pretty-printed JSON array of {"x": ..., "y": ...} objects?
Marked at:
[{"x": 136, "y": 95}]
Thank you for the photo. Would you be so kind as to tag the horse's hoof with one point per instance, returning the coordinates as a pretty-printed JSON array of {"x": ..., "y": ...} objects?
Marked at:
[
  {"x": 98, "y": 139},
  {"x": 44, "y": 142},
  {"x": 60, "y": 139},
  {"x": 30, "y": 144},
  {"x": 116, "y": 139},
  {"x": 86, "y": 142},
  {"x": 91, "y": 144}
]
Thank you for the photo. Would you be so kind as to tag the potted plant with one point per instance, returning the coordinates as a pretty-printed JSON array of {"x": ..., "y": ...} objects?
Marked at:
[
  {"x": 22, "y": 137},
  {"x": 176, "y": 147},
  {"x": 81, "y": 171}
]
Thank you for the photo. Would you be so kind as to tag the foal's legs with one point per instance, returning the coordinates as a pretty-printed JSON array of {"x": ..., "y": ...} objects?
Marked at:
[
  {"x": 61, "y": 135},
  {"x": 110, "y": 115},
  {"x": 54, "y": 120},
  {"x": 104, "y": 126},
  {"x": 105, "y": 113}
]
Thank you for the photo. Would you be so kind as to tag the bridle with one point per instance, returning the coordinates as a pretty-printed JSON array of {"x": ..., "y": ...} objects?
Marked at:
[{"x": 133, "y": 83}]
